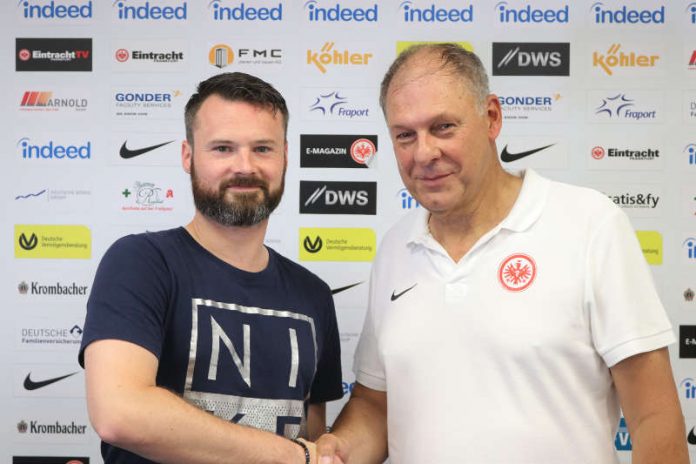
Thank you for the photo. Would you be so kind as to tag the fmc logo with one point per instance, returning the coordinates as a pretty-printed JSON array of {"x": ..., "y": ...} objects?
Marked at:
[
  {"x": 531, "y": 59},
  {"x": 36, "y": 9},
  {"x": 328, "y": 57},
  {"x": 340, "y": 13},
  {"x": 126, "y": 11},
  {"x": 222, "y": 55},
  {"x": 435, "y": 13},
  {"x": 528, "y": 14},
  {"x": 244, "y": 12},
  {"x": 616, "y": 58},
  {"x": 624, "y": 15},
  {"x": 53, "y": 150}
]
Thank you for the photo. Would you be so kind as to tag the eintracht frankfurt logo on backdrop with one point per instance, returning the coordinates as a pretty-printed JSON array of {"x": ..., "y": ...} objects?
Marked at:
[{"x": 517, "y": 272}]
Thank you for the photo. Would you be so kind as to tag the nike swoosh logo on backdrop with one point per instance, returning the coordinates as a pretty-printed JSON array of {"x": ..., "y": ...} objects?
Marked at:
[
  {"x": 507, "y": 157},
  {"x": 395, "y": 296},
  {"x": 31, "y": 385},
  {"x": 126, "y": 153},
  {"x": 341, "y": 289}
]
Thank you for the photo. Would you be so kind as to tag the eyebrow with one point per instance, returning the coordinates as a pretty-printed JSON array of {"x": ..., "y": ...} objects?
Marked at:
[{"x": 232, "y": 142}]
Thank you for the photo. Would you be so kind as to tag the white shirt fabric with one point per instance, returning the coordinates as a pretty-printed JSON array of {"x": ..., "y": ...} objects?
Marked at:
[{"x": 478, "y": 373}]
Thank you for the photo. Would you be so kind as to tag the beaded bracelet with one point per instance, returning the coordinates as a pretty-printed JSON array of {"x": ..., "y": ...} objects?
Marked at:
[{"x": 308, "y": 459}]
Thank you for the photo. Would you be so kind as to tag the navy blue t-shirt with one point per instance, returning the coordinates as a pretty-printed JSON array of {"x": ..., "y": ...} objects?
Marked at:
[{"x": 252, "y": 348}]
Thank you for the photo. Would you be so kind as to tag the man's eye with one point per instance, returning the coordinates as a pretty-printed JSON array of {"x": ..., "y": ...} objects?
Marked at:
[
  {"x": 404, "y": 135},
  {"x": 444, "y": 126},
  {"x": 263, "y": 149},
  {"x": 222, "y": 149}
]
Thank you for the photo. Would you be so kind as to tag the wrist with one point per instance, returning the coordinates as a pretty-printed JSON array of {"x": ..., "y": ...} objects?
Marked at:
[{"x": 303, "y": 450}]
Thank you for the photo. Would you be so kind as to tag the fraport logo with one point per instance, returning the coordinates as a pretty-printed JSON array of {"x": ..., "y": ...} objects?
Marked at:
[
  {"x": 148, "y": 11},
  {"x": 406, "y": 200},
  {"x": 340, "y": 13},
  {"x": 334, "y": 104},
  {"x": 690, "y": 151},
  {"x": 621, "y": 107},
  {"x": 688, "y": 387},
  {"x": 436, "y": 14},
  {"x": 624, "y": 15},
  {"x": 691, "y": 9},
  {"x": 53, "y": 150},
  {"x": 33, "y": 9},
  {"x": 243, "y": 12},
  {"x": 527, "y": 14}
]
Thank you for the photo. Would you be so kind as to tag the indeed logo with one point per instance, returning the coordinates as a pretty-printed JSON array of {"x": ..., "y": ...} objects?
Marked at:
[
  {"x": 691, "y": 8},
  {"x": 52, "y": 10},
  {"x": 690, "y": 244},
  {"x": 624, "y": 15},
  {"x": 689, "y": 388},
  {"x": 242, "y": 12},
  {"x": 149, "y": 12},
  {"x": 329, "y": 56},
  {"x": 336, "y": 13},
  {"x": 616, "y": 58},
  {"x": 434, "y": 14},
  {"x": 528, "y": 14},
  {"x": 407, "y": 200},
  {"x": 690, "y": 150},
  {"x": 52, "y": 150}
]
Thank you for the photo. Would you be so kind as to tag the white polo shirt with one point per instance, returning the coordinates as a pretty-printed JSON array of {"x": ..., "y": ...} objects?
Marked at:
[{"x": 504, "y": 356}]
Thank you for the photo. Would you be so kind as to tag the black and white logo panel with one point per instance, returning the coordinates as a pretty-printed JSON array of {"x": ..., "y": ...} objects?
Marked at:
[
  {"x": 531, "y": 59},
  {"x": 338, "y": 197}
]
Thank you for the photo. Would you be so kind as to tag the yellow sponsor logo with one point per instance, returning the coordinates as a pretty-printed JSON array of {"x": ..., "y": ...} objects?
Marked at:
[
  {"x": 52, "y": 242},
  {"x": 332, "y": 244},
  {"x": 403, "y": 45},
  {"x": 327, "y": 56},
  {"x": 651, "y": 244},
  {"x": 616, "y": 58}
]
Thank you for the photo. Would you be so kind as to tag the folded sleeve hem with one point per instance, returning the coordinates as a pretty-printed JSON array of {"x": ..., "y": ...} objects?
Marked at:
[{"x": 638, "y": 345}]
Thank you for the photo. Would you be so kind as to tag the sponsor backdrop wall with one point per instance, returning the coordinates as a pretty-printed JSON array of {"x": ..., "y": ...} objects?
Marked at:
[{"x": 595, "y": 93}]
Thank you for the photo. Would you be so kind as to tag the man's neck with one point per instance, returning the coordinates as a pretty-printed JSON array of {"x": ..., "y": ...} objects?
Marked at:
[
  {"x": 241, "y": 247},
  {"x": 459, "y": 231}
]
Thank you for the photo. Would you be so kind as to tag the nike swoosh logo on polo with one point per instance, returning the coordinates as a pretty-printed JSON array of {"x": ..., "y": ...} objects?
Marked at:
[
  {"x": 507, "y": 157},
  {"x": 342, "y": 289},
  {"x": 395, "y": 296},
  {"x": 31, "y": 385},
  {"x": 127, "y": 154}
]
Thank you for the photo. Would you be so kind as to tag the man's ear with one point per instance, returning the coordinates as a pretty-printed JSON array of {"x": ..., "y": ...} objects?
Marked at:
[
  {"x": 494, "y": 115},
  {"x": 186, "y": 156}
]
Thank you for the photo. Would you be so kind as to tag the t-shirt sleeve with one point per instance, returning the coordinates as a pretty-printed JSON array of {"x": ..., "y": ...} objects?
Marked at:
[
  {"x": 626, "y": 314},
  {"x": 327, "y": 385},
  {"x": 367, "y": 364},
  {"x": 129, "y": 297}
]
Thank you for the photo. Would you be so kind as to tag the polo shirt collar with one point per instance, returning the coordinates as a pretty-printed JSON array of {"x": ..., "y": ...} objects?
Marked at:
[{"x": 525, "y": 212}]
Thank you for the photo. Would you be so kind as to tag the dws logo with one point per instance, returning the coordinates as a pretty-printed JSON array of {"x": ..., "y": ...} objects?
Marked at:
[
  {"x": 338, "y": 197},
  {"x": 531, "y": 59},
  {"x": 623, "y": 15},
  {"x": 528, "y": 14},
  {"x": 52, "y": 150},
  {"x": 338, "y": 13},
  {"x": 436, "y": 14},
  {"x": 147, "y": 12},
  {"x": 242, "y": 12},
  {"x": 55, "y": 10}
]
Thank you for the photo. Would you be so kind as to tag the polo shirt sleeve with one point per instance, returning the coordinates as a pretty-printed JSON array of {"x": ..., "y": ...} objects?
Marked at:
[
  {"x": 367, "y": 364},
  {"x": 626, "y": 315}
]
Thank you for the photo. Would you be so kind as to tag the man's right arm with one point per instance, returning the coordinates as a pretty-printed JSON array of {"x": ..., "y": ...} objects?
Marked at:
[
  {"x": 129, "y": 411},
  {"x": 359, "y": 435}
]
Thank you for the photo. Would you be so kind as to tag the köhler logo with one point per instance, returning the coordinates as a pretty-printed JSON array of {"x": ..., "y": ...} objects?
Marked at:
[{"x": 313, "y": 246}]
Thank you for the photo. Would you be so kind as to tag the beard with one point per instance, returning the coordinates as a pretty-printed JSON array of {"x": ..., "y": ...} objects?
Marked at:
[{"x": 236, "y": 209}]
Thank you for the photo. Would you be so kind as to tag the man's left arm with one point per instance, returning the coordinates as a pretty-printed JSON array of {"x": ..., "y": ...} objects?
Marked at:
[
  {"x": 650, "y": 404},
  {"x": 316, "y": 421}
]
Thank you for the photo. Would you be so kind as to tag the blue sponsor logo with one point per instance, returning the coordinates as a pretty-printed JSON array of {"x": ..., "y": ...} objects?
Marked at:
[
  {"x": 244, "y": 12},
  {"x": 334, "y": 104},
  {"x": 31, "y": 195},
  {"x": 53, "y": 150},
  {"x": 690, "y": 246},
  {"x": 690, "y": 151},
  {"x": 688, "y": 387},
  {"x": 622, "y": 442},
  {"x": 527, "y": 14},
  {"x": 148, "y": 11},
  {"x": 436, "y": 14},
  {"x": 406, "y": 200},
  {"x": 340, "y": 13},
  {"x": 691, "y": 8},
  {"x": 624, "y": 15},
  {"x": 622, "y": 107},
  {"x": 525, "y": 100},
  {"x": 33, "y": 9},
  {"x": 348, "y": 387}
]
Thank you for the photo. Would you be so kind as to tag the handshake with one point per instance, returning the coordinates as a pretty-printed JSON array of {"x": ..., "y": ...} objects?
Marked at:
[{"x": 328, "y": 449}]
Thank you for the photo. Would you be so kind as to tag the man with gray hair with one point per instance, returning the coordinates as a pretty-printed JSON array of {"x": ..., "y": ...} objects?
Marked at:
[
  {"x": 201, "y": 344},
  {"x": 511, "y": 316}
]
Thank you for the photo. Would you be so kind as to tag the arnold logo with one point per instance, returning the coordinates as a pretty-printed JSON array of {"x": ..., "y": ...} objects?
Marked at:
[
  {"x": 312, "y": 246},
  {"x": 531, "y": 59},
  {"x": 28, "y": 243},
  {"x": 338, "y": 197}
]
